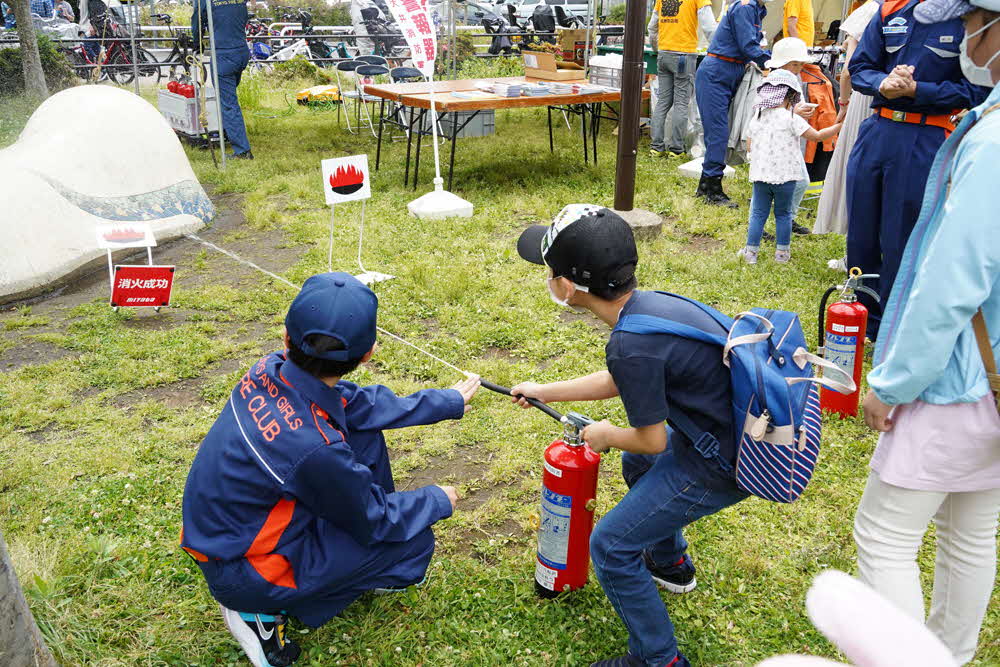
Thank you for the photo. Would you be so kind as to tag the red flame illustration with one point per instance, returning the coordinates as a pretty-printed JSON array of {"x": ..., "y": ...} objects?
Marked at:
[
  {"x": 124, "y": 235},
  {"x": 347, "y": 180}
]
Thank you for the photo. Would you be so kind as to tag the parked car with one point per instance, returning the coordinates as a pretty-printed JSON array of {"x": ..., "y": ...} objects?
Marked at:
[
  {"x": 525, "y": 8},
  {"x": 467, "y": 13}
]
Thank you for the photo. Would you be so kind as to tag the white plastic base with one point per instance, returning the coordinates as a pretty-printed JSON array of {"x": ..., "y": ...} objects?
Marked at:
[
  {"x": 369, "y": 277},
  {"x": 438, "y": 204},
  {"x": 692, "y": 169}
]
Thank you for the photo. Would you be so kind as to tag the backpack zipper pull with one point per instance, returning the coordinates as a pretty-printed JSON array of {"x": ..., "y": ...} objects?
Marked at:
[
  {"x": 802, "y": 438},
  {"x": 759, "y": 428}
]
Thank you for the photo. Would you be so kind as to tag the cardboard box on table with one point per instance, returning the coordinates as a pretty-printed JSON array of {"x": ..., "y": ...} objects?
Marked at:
[
  {"x": 541, "y": 65},
  {"x": 573, "y": 42}
]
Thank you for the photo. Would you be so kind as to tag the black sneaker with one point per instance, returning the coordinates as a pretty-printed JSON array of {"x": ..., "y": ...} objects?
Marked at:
[
  {"x": 677, "y": 578},
  {"x": 241, "y": 156},
  {"x": 629, "y": 660},
  {"x": 767, "y": 236},
  {"x": 262, "y": 638},
  {"x": 800, "y": 229}
]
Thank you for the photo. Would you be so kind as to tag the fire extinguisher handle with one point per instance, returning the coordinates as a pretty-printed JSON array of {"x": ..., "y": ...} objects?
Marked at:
[{"x": 531, "y": 401}]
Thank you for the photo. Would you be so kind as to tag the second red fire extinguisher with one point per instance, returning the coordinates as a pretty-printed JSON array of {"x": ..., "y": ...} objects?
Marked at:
[{"x": 842, "y": 329}]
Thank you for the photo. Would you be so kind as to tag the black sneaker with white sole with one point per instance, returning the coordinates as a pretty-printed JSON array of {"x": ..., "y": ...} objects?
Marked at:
[
  {"x": 629, "y": 660},
  {"x": 677, "y": 578},
  {"x": 262, "y": 637}
]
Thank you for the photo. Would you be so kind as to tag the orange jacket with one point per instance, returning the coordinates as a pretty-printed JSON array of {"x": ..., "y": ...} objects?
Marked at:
[{"x": 821, "y": 93}]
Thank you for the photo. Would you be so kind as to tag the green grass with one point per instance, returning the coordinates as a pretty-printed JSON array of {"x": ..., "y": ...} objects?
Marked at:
[{"x": 95, "y": 444}]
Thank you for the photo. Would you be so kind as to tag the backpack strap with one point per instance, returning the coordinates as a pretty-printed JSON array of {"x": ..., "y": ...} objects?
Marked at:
[
  {"x": 651, "y": 324},
  {"x": 986, "y": 351}
]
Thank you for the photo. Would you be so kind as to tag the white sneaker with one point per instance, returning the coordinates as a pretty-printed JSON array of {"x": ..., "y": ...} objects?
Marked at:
[
  {"x": 749, "y": 256},
  {"x": 838, "y": 264},
  {"x": 261, "y": 637},
  {"x": 782, "y": 256}
]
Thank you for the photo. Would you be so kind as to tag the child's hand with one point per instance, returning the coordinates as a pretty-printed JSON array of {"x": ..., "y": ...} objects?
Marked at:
[
  {"x": 467, "y": 388},
  {"x": 598, "y": 435},
  {"x": 527, "y": 390},
  {"x": 452, "y": 495}
]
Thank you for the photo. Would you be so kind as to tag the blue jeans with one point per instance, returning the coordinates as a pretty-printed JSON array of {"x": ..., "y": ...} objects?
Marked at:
[
  {"x": 231, "y": 66},
  {"x": 781, "y": 195},
  {"x": 663, "y": 497},
  {"x": 674, "y": 75}
]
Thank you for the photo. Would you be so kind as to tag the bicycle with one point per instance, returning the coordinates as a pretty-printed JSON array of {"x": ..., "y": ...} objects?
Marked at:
[
  {"x": 183, "y": 45},
  {"x": 113, "y": 52}
]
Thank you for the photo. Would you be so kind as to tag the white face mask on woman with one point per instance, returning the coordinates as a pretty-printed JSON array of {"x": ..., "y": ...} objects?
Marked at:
[{"x": 979, "y": 75}]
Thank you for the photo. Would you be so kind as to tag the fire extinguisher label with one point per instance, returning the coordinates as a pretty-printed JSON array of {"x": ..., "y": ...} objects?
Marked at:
[
  {"x": 553, "y": 534},
  {"x": 545, "y": 576},
  {"x": 842, "y": 351},
  {"x": 552, "y": 469}
]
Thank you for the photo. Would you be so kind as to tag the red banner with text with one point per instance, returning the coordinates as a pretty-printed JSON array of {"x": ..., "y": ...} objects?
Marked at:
[{"x": 142, "y": 286}]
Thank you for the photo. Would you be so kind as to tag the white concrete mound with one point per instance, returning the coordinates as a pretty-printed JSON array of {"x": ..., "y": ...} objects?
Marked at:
[{"x": 90, "y": 155}]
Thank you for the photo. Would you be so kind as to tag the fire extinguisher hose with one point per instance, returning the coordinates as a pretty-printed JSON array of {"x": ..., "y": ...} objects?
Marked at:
[
  {"x": 532, "y": 401},
  {"x": 821, "y": 320}
]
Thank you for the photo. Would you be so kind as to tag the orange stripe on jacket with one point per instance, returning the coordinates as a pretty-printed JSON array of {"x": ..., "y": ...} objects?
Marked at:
[
  {"x": 275, "y": 568},
  {"x": 197, "y": 555},
  {"x": 893, "y": 6}
]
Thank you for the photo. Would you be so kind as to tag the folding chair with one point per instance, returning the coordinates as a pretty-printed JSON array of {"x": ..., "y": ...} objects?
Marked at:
[
  {"x": 373, "y": 60},
  {"x": 398, "y": 115},
  {"x": 346, "y": 66},
  {"x": 366, "y": 74}
]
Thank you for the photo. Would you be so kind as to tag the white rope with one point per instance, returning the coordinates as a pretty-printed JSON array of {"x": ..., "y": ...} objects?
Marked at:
[{"x": 247, "y": 262}]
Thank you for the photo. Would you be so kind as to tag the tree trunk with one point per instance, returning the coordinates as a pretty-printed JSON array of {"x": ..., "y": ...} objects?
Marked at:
[
  {"x": 34, "y": 78},
  {"x": 21, "y": 644}
]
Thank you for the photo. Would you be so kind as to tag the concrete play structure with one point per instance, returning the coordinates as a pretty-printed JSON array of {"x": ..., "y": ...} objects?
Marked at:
[{"x": 89, "y": 156}]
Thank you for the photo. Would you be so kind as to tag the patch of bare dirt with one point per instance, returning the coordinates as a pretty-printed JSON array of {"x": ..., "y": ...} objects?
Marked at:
[
  {"x": 176, "y": 395},
  {"x": 702, "y": 243},
  {"x": 567, "y": 316},
  {"x": 29, "y": 353}
]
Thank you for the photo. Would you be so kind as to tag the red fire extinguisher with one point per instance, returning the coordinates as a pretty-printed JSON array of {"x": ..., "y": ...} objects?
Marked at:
[
  {"x": 566, "y": 518},
  {"x": 569, "y": 496},
  {"x": 842, "y": 329}
]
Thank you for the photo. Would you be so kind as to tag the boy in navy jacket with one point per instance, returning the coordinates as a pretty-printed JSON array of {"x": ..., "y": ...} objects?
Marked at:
[{"x": 290, "y": 507}]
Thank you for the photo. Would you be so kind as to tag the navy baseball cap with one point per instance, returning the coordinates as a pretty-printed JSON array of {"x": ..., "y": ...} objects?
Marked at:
[
  {"x": 591, "y": 245},
  {"x": 336, "y": 305}
]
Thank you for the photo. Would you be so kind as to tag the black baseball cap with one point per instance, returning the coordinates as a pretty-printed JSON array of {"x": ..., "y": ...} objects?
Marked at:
[
  {"x": 336, "y": 305},
  {"x": 590, "y": 245}
]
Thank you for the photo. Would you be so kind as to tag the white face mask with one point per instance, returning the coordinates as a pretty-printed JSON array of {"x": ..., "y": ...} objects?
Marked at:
[
  {"x": 552, "y": 295},
  {"x": 979, "y": 75},
  {"x": 564, "y": 302}
]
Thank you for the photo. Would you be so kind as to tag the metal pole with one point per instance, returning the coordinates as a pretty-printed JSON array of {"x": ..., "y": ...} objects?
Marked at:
[
  {"x": 591, "y": 8},
  {"x": 132, "y": 11},
  {"x": 215, "y": 80},
  {"x": 628, "y": 125}
]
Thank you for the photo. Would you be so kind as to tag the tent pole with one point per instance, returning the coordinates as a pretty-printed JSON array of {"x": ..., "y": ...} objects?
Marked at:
[{"x": 215, "y": 80}]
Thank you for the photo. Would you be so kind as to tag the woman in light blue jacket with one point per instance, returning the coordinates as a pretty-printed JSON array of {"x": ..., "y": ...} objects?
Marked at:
[{"x": 939, "y": 453}]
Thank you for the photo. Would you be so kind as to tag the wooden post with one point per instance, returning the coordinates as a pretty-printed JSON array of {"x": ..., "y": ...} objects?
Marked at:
[{"x": 633, "y": 71}]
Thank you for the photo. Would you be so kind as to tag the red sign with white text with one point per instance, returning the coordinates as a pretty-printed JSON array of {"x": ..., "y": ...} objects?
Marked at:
[{"x": 137, "y": 286}]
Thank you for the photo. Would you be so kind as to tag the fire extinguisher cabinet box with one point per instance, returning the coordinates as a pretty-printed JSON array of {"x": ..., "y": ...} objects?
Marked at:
[{"x": 182, "y": 112}]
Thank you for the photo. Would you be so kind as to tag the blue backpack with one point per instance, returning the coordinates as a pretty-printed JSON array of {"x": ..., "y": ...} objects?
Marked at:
[{"x": 776, "y": 414}]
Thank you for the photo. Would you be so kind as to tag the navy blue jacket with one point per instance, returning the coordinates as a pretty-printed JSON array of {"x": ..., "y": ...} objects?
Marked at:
[
  {"x": 286, "y": 479},
  {"x": 739, "y": 33},
  {"x": 894, "y": 37},
  {"x": 229, "y": 18}
]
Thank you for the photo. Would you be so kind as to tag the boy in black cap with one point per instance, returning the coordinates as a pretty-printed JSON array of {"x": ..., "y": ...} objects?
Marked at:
[
  {"x": 290, "y": 507},
  {"x": 591, "y": 257}
]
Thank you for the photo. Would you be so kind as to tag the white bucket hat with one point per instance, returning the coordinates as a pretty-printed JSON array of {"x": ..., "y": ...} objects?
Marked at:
[
  {"x": 789, "y": 50},
  {"x": 935, "y": 11}
]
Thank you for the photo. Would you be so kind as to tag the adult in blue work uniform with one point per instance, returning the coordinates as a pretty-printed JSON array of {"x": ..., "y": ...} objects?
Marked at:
[
  {"x": 912, "y": 71},
  {"x": 229, "y": 19},
  {"x": 735, "y": 43},
  {"x": 289, "y": 507}
]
